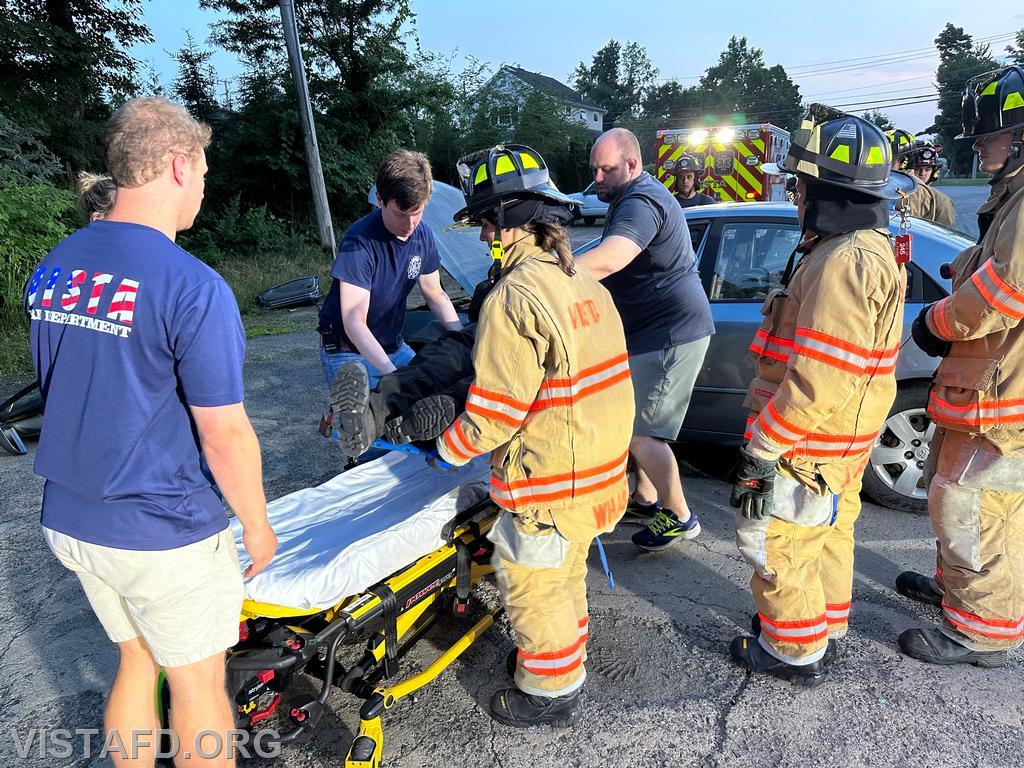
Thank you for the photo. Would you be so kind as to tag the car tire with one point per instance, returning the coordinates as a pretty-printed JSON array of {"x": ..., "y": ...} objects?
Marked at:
[
  {"x": 902, "y": 448},
  {"x": 589, "y": 220}
]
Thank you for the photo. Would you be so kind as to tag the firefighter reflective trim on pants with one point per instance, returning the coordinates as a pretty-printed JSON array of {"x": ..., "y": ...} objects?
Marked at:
[
  {"x": 999, "y": 294},
  {"x": 493, "y": 405},
  {"x": 837, "y": 613},
  {"x": 800, "y": 631},
  {"x": 543, "y": 586},
  {"x": 775, "y": 347},
  {"x": 996, "y": 628},
  {"x": 976, "y": 505},
  {"x": 976, "y": 414},
  {"x": 554, "y": 392},
  {"x": 820, "y": 446},
  {"x": 843, "y": 354},
  {"x": 538, "y": 490}
]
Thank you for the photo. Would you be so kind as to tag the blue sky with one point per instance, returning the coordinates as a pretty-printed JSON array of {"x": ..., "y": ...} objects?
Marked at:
[{"x": 553, "y": 36}]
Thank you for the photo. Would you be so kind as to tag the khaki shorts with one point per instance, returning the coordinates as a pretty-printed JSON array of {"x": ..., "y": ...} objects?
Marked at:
[
  {"x": 184, "y": 602},
  {"x": 662, "y": 386}
]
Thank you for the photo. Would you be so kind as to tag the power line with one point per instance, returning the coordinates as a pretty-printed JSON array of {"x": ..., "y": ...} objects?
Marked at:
[{"x": 822, "y": 68}]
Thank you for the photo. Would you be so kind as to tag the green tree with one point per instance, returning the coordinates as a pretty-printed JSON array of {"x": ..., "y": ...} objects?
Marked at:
[
  {"x": 365, "y": 88},
  {"x": 618, "y": 78},
  {"x": 564, "y": 143},
  {"x": 63, "y": 63},
  {"x": 879, "y": 118},
  {"x": 959, "y": 60},
  {"x": 1016, "y": 49},
  {"x": 742, "y": 86},
  {"x": 195, "y": 85}
]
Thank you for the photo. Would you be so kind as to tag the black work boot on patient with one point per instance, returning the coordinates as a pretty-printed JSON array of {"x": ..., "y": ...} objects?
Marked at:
[
  {"x": 748, "y": 653},
  {"x": 427, "y": 419},
  {"x": 523, "y": 710},
  {"x": 354, "y": 419}
]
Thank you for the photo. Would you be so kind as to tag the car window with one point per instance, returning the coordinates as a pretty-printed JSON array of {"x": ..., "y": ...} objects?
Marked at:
[
  {"x": 751, "y": 259},
  {"x": 590, "y": 189},
  {"x": 697, "y": 230}
]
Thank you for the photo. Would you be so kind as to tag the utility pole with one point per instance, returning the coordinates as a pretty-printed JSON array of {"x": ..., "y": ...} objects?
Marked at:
[{"x": 316, "y": 172}]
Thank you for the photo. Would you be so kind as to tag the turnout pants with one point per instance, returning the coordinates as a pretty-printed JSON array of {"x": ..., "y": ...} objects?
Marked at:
[
  {"x": 976, "y": 505},
  {"x": 542, "y": 577},
  {"x": 802, "y": 558}
]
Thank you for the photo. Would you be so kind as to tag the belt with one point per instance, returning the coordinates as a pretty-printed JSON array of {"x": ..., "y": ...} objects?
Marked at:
[{"x": 344, "y": 345}]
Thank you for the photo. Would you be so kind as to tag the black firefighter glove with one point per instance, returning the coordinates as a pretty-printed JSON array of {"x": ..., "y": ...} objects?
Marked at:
[
  {"x": 753, "y": 482},
  {"x": 929, "y": 343},
  {"x": 479, "y": 294}
]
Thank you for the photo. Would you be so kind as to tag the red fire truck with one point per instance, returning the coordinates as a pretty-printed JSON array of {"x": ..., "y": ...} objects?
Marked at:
[{"x": 732, "y": 156}]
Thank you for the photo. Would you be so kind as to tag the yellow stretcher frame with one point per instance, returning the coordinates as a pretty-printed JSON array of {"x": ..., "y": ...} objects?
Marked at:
[{"x": 359, "y": 613}]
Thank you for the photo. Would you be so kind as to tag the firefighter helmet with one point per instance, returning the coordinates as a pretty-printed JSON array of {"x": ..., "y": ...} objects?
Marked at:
[
  {"x": 900, "y": 142},
  {"x": 923, "y": 155},
  {"x": 689, "y": 164},
  {"x": 512, "y": 184},
  {"x": 835, "y": 148},
  {"x": 993, "y": 102}
]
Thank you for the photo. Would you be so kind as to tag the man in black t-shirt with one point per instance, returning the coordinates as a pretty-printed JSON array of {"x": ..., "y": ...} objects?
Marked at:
[{"x": 647, "y": 262}]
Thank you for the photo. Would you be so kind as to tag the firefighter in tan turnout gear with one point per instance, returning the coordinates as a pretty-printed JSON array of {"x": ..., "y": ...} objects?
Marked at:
[
  {"x": 927, "y": 202},
  {"x": 553, "y": 404},
  {"x": 976, "y": 493},
  {"x": 826, "y": 355}
]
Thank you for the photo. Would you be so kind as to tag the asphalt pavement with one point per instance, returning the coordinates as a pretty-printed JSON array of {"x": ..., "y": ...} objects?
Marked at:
[{"x": 661, "y": 690}]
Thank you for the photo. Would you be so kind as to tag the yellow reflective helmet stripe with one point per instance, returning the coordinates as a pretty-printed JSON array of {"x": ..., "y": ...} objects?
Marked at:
[
  {"x": 503, "y": 164},
  {"x": 1013, "y": 101},
  {"x": 875, "y": 156},
  {"x": 990, "y": 88},
  {"x": 528, "y": 161},
  {"x": 841, "y": 153},
  {"x": 481, "y": 174}
]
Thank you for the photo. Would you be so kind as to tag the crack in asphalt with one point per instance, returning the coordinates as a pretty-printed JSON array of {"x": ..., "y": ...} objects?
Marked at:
[{"x": 722, "y": 721}]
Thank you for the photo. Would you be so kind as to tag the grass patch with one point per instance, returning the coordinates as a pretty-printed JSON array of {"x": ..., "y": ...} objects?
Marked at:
[{"x": 15, "y": 360}]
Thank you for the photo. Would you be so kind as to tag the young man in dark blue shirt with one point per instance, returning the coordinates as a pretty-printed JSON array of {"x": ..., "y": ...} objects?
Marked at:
[
  {"x": 138, "y": 349},
  {"x": 646, "y": 261},
  {"x": 382, "y": 257}
]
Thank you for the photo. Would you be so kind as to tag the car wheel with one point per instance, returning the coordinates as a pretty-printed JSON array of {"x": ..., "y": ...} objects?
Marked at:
[
  {"x": 589, "y": 220},
  {"x": 894, "y": 476}
]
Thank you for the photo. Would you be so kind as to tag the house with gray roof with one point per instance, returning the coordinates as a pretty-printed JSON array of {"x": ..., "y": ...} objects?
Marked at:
[{"x": 517, "y": 83}]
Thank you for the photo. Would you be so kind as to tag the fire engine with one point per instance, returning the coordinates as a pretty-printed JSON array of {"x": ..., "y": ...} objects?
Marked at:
[{"x": 732, "y": 156}]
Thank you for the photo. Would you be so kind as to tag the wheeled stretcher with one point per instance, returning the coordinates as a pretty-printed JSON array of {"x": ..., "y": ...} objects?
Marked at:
[{"x": 383, "y": 550}]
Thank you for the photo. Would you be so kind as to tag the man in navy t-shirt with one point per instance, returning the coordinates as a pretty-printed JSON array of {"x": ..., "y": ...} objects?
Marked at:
[
  {"x": 646, "y": 262},
  {"x": 382, "y": 257},
  {"x": 138, "y": 349}
]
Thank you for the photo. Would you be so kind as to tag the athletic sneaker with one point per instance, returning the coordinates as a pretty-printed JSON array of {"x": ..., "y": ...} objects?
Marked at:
[
  {"x": 639, "y": 512},
  {"x": 665, "y": 530}
]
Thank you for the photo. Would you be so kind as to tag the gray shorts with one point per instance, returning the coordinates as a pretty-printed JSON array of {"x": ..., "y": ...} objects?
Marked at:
[{"x": 662, "y": 384}]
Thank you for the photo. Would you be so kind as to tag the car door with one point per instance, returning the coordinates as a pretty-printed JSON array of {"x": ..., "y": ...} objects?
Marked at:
[{"x": 741, "y": 260}]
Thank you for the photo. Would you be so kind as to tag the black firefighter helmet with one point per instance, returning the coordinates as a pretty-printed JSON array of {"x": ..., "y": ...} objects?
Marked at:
[
  {"x": 994, "y": 102},
  {"x": 843, "y": 150},
  {"x": 510, "y": 186},
  {"x": 688, "y": 164}
]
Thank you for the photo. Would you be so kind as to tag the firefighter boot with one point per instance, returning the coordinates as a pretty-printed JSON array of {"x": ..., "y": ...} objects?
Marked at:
[
  {"x": 830, "y": 649},
  {"x": 353, "y": 417},
  {"x": 933, "y": 646},
  {"x": 748, "y": 653},
  {"x": 427, "y": 419},
  {"x": 918, "y": 587},
  {"x": 522, "y": 710}
]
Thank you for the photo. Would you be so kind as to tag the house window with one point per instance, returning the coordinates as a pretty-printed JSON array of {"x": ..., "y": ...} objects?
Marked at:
[
  {"x": 595, "y": 117},
  {"x": 583, "y": 115}
]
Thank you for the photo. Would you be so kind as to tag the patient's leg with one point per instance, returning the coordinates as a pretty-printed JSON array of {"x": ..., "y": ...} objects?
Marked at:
[{"x": 416, "y": 402}]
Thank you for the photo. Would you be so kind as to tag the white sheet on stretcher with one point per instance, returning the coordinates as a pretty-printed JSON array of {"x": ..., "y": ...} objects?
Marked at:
[{"x": 344, "y": 536}]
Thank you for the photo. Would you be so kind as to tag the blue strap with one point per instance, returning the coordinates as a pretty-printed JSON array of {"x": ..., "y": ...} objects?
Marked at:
[
  {"x": 604, "y": 563},
  {"x": 431, "y": 456}
]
